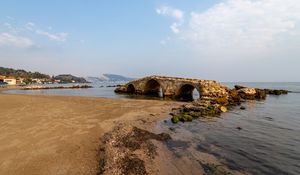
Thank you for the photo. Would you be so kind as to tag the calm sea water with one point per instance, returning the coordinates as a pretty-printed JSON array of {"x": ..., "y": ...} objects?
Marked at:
[{"x": 268, "y": 143}]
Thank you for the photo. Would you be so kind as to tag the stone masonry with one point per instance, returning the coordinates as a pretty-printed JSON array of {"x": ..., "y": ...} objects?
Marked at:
[{"x": 174, "y": 87}]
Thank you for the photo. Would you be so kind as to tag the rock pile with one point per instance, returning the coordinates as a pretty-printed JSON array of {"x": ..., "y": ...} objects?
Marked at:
[
  {"x": 56, "y": 87},
  {"x": 212, "y": 107}
]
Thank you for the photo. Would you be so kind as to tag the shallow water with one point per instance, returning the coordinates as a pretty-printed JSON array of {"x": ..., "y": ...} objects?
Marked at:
[
  {"x": 267, "y": 143},
  {"x": 99, "y": 90}
]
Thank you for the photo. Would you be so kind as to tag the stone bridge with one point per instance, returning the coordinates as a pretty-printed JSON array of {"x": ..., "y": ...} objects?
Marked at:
[{"x": 174, "y": 87}]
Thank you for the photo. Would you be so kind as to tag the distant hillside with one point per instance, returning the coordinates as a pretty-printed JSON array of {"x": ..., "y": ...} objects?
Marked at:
[
  {"x": 114, "y": 77},
  {"x": 108, "y": 77},
  {"x": 29, "y": 77},
  {"x": 19, "y": 73},
  {"x": 94, "y": 79},
  {"x": 68, "y": 78}
]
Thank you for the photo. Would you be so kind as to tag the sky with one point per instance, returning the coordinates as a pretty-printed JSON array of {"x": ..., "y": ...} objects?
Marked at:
[{"x": 224, "y": 40}]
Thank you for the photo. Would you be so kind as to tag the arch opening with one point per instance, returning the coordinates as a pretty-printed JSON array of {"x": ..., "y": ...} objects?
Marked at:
[
  {"x": 130, "y": 89},
  {"x": 196, "y": 94},
  {"x": 153, "y": 88},
  {"x": 188, "y": 92}
]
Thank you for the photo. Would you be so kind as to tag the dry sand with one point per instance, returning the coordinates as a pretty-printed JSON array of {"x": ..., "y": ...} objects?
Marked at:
[{"x": 61, "y": 135}]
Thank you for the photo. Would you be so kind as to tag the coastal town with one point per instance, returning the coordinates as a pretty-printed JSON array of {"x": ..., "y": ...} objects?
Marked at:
[
  {"x": 9, "y": 81},
  {"x": 12, "y": 77},
  {"x": 12, "y": 81}
]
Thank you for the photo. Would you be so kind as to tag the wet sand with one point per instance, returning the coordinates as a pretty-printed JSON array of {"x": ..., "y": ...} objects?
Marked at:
[
  {"x": 61, "y": 135},
  {"x": 53, "y": 135}
]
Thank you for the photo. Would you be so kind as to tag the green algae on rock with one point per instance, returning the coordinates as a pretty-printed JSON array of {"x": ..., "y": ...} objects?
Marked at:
[{"x": 213, "y": 107}]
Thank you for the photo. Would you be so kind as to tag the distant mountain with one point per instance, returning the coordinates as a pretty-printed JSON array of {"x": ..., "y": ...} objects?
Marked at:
[
  {"x": 68, "y": 78},
  {"x": 108, "y": 77},
  {"x": 94, "y": 79},
  {"x": 114, "y": 77}
]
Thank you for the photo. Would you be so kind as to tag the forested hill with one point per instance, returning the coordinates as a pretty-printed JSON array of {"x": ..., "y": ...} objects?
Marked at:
[
  {"x": 67, "y": 78},
  {"x": 19, "y": 73},
  {"x": 29, "y": 76}
]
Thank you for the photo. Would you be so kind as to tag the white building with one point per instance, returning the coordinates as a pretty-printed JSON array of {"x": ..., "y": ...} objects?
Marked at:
[{"x": 10, "y": 81}]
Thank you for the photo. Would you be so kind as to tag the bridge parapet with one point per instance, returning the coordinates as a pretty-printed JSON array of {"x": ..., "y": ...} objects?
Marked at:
[{"x": 175, "y": 87}]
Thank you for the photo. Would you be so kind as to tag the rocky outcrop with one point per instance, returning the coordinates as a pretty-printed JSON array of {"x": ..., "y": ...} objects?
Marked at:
[
  {"x": 260, "y": 94},
  {"x": 56, "y": 87},
  {"x": 212, "y": 107},
  {"x": 200, "y": 108},
  {"x": 215, "y": 98},
  {"x": 121, "y": 89},
  {"x": 275, "y": 92}
]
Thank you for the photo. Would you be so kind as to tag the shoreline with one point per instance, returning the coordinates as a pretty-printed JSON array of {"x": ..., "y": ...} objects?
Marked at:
[
  {"x": 65, "y": 134},
  {"x": 61, "y": 134}
]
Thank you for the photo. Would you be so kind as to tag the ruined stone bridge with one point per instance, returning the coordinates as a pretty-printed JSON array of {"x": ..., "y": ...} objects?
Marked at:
[{"x": 174, "y": 87}]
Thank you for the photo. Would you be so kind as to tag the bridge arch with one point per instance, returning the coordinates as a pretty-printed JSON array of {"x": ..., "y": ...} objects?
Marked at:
[
  {"x": 131, "y": 89},
  {"x": 153, "y": 87},
  {"x": 186, "y": 92},
  {"x": 174, "y": 87}
]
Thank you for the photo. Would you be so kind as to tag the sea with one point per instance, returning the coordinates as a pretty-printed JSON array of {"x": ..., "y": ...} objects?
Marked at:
[{"x": 264, "y": 139}]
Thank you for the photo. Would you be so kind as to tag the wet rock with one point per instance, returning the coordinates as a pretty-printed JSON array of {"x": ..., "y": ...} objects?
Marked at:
[
  {"x": 222, "y": 101},
  {"x": 209, "y": 112},
  {"x": 223, "y": 109},
  {"x": 121, "y": 89},
  {"x": 172, "y": 129},
  {"x": 112, "y": 86},
  {"x": 279, "y": 92},
  {"x": 208, "y": 106},
  {"x": 182, "y": 118},
  {"x": 260, "y": 94},
  {"x": 212, "y": 169},
  {"x": 275, "y": 92},
  {"x": 234, "y": 98},
  {"x": 247, "y": 93},
  {"x": 247, "y": 90},
  {"x": 242, "y": 107},
  {"x": 186, "y": 118},
  {"x": 57, "y": 87},
  {"x": 269, "y": 118},
  {"x": 238, "y": 87},
  {"x": 175, "y": 119},
  {"x": 195, "y": 114},
  {"x": 191, "y": 107}
]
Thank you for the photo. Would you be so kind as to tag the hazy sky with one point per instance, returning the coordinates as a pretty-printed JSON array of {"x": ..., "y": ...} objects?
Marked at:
[{"x": 226, "y": 40}]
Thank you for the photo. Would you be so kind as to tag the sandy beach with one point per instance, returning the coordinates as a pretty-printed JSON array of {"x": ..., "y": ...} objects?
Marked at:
[{"x": 61, "y": 135}]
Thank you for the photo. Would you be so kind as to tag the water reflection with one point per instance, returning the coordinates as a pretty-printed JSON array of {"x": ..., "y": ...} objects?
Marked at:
[
  {"x": 267, "y": 143},
  {"x": 98, "y": 90}
]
